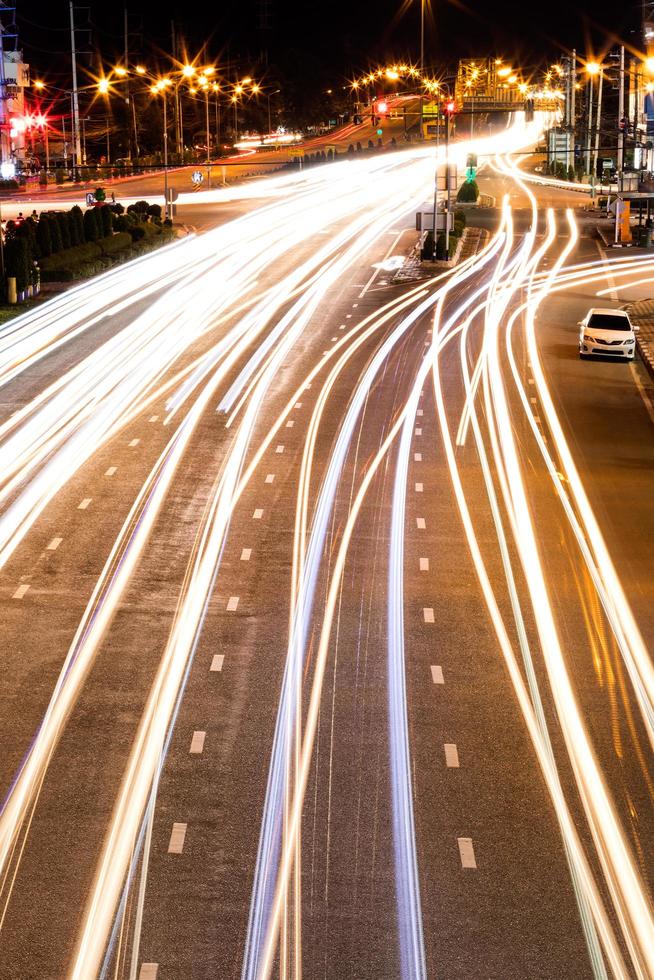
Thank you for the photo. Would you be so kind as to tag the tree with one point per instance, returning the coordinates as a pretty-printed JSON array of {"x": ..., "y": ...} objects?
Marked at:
[
  {"x": 105, "y": 220},
  {"x": 18, "y": 261},
  {"x": 100, "y": 194},
  {"x": 63, "y": 220},
  {"x": 468, "y": 192},
  {"x": 55, "y": 233}
]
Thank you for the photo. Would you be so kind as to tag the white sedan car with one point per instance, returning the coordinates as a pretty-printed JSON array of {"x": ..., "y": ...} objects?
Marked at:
[{"x": 607, "y": 333}]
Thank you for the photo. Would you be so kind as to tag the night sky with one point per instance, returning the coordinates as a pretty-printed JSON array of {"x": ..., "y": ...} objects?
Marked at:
[{"x": 342, "y": 35}]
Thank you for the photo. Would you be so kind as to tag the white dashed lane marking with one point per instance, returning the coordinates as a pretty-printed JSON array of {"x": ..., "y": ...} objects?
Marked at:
[
  {"x": 420, "y": 521},
  {"x": 437, "y": 674},
  {"x": 270, "y": 477},
  {"x": 420, "y": 412},
  {"x": 418, "y": 431},
  {"x": 232, "y": 603},
  {"x": 20, "y": 592},
  {"x": 153, "y": 418},
  {"x": 258, "y": 514},
  {"x": 84, "y": 503},
  {"x": 54, "y": 544},
  {"x": 467, "y": 852},
  {"x": 197, "y": 743},
  {"x": 417, "y": 457},
  {"x": 217, "y": 662},
  {"x": 451, "y": 755},
  {"x": 245, "y": 554},
  {"x": 177, "y": 838},
  {"x": 111, "y": 471},
  {"x": 290, "y": 424},
  {"x": 280, "y": 449},
  {"x": 298, "y": 405},
  {"x": 418, "y": 487},
  {"x": 428, "y": 615},
  {"x": 134, "y": 442},
  {"x": 424, "y": 564},
  {"x": 148, "y": 971}
]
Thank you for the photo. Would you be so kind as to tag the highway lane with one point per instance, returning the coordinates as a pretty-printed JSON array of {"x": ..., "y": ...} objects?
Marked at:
[{"x": 197, "y": 901}]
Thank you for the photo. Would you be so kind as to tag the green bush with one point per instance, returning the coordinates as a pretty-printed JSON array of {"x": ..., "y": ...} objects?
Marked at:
[
  {"x": 137, "y": 232},
  {"x": 43, "y": 236},
  {"x": 43, "y": 178},
  {"x": 76, "y": 226},
  {"x": 9, "y": 186},
  {"x": 55, "y": 233},
  {"x": 60, "y": 176},
  {"x": 71, "y": 257},
  {"x": 154, "y": 210},
  {"x": 468, "y": 192},
  {"x": 105, "y": 220},
  {"x": 18, "y": 262},
  {"x": 63, "y": 220},
  {"x": 91, "y": 225},
  {"x": 115, "y": 243},
  {"x": 460, "y": 216}
]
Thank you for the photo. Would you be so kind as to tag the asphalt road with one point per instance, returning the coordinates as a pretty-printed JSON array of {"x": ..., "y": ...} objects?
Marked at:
[{"x": 413, "y": 796}]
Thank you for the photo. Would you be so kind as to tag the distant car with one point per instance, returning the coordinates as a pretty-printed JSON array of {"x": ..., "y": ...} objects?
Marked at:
[{"x": 607, "y": 333}]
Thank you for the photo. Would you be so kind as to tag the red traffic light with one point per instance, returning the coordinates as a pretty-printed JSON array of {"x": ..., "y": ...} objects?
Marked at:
[
  {"x": 450, "y": 107},
  {"x": 382, "y": 108}
]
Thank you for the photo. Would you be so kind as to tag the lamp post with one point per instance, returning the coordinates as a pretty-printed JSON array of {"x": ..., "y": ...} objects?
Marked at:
[
  {"x": 422, "y": 63},
  {"x": 592, "y": 69},
  {"x": 160, "y": 89},
  {"x": 269, "y": 96},
  {"x": 216, "y": 92}
]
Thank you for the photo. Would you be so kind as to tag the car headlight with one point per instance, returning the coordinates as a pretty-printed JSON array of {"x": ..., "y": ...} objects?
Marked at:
[{"x": 590, "y": 340}]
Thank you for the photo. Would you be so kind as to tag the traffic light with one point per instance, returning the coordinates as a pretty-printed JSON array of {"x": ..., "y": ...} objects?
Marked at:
[
  {"x": 382, "y": 108},
  {"x": 450, "y": 107}
]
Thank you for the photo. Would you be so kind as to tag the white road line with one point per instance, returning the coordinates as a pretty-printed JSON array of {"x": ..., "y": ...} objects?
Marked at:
[
  {"x": 531, "y": 381},
  {"x": 418, "y": 431},
  {"x": 134, "y": 442},
  {"x": 354, "y": 306},
  {"x": 258, "y": 514},
  {"x": 290, "y": 424},
  {"x": 420, "y": 412},
  {"x": 153, "y": 418},
  {"x": 348, "y": 316},
  {"x": 424, "y": 564},
  {"x": 537, "y": 419},
  {"x": 280, "y": 449},
  {"x": 467, "y": 852},
  {"x": 111, "y": 471},
  {"x": 20, "y": 592},
  {"x": 232, "y": 603},
  {"x": 54, "y": 544},
  {"x": 418, "y": 487},
  {"x": 334, "y": 339},
  {"x": 342, "y": 326},
  {"x": 307, "y": 386},
  {"x": 84, "y": 503},
  {"x": 177, "y": 837},
  {"x": 437, "y": 674},
  {"x": 217, "y": 661},
  {"x": 420, "y": 521},
  {"x": 245, "y": 554},
  {"x": 270, "y": 477},
  {"x": 197, "y": 743},
  {"x": 417, "y": 457},
  {"x": 298, "y": 405},
  {"x": 148, "y": 971},
  {"x": 428, "y": 614},
  {"x": 534, "y": 401},
  {"x": 451, "y": 755},
  {"x": 642, "y": 391}
]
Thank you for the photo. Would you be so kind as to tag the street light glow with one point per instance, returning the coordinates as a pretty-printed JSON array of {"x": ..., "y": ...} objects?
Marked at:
[
  {"x": 39, "y": 84},
  {"x": 649, "y": 65},
  {"x": 593, "y": 68},
  {"x": 103, "y": 86}
]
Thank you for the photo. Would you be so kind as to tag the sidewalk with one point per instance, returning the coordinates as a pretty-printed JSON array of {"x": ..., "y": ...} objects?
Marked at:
[{"x": 642, "y": 314}]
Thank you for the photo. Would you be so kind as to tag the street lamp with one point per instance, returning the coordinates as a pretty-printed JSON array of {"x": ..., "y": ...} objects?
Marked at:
[
  {"x": 593, "y": 68},
  {"x": 269, "y": 95},
  {"x": 160, "y": 88}
]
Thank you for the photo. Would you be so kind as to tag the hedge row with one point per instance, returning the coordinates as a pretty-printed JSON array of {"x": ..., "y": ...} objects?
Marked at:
[{"x": 83, "y": 261}]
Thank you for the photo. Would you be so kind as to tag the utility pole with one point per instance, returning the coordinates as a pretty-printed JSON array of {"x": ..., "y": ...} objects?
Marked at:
[
  {"x": 422, "y": 65},
  {"x": 621, "y": 122},
  {"x": 598, "y": 124},
  {"x": 128, "y": 100},
  {"x": 573, "y": 101},
  {"x": 77, "y": 146},
  {"x": 447, "y": 184},
  {"x": 589, "y": 134}
]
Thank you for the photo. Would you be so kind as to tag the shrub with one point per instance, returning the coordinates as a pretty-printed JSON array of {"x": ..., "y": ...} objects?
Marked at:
[
  {"x": 9, "y": 186},
  {"x": 43, "y": 178},
  {"x": 18, "y": 262},
  {"x": 77, "y": 225},
  {"x": 137, "y": 232},
  {"x": 154, "y": 210},
  {"x": 105, "y": 220},
  {"x": 55, "y": 233},
  {"x": 460, "y": 216},
  {"x": 63, "y": 220},
  {"x": 468, "y": 192},
  {"x": 117, "y": 208},
  {"x": 115, "y": 243},
  {"x": 571, "y": 174},
  {"x": 91, "y": 229},
  {"x": 60, "y": 177},
  {"x": 43, "y": 236},
  {"x": 99, "y": 193}
]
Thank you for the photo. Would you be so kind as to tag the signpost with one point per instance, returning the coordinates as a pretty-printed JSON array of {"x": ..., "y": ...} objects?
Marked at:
[{"x": 197, "y": 177}]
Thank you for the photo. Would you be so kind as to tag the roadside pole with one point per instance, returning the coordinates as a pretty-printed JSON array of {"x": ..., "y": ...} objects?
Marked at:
[{"x": 447, "y": 185}]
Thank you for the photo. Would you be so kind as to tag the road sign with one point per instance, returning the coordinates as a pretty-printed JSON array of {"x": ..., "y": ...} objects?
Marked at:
[
  {"x": 296, "y": 151},
  {"x": 90, "y": 200},
  {"x": 197, "y": 177}
]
